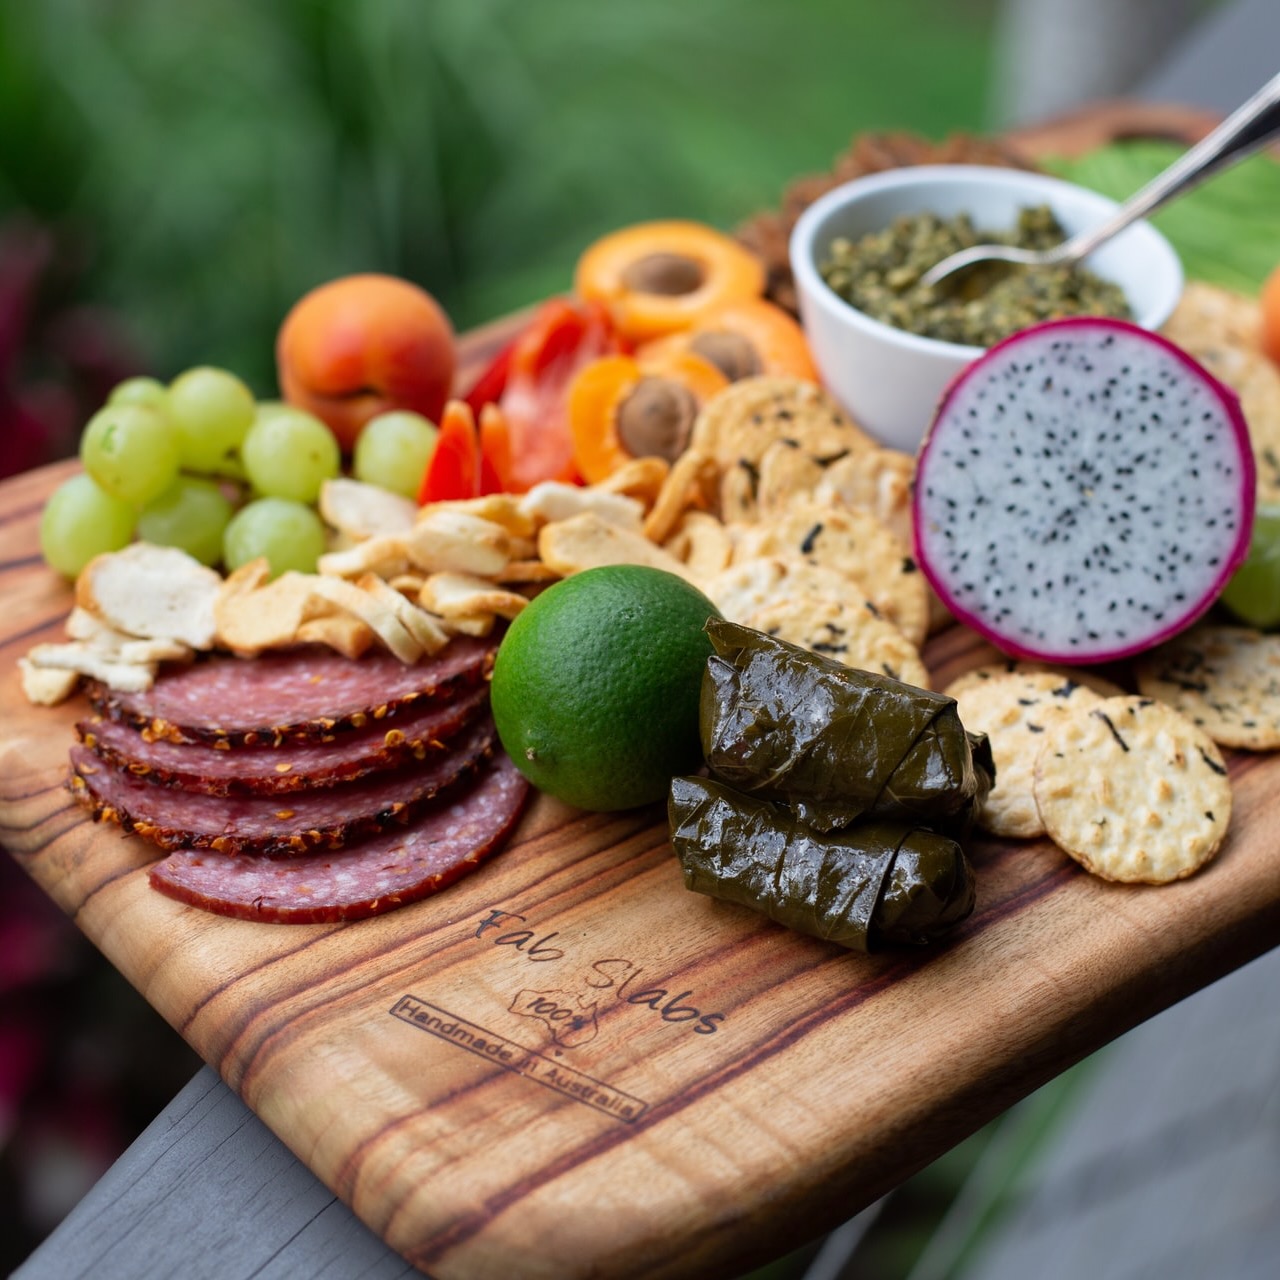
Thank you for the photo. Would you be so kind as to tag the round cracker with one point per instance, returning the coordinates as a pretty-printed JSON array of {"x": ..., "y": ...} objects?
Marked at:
[
  {"x": 788, "y": 473},
  {"x": 740, "y": 422},
  {"x": 1014, "y": 709},
  {"x": 748, "y": 585},
  {"x": 877, "y": 480},
  {"x": 1133, "y": 791},
  {"x": 855, "y": 543},
  {"x": 1221, "y": 329},
  {"x": 846, "y": 629},
  {"x": 1224, "y": 679},
  {"x": 1103, "y": 687}
]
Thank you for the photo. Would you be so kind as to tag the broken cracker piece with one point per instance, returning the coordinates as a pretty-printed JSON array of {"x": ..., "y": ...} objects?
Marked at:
[
  {"x": 690, "y": 483},
  {"x": 86, "y": 659},
  {"x": 376, "y": 614},
  {"x": 46, "y": 686},
  {"x": 360, "y": 511},
  {"x": 419, "y": 624},
  {"x": 152, "y": 593},
  {"x": 587, "y": 542},
  {"x": 386, "y": 555},
  {"x": 456, "y": 541},
  {"x": 554, "y": 500},
  {"x": 461, "y": 595},
  {"x": 639, "y": 478}
]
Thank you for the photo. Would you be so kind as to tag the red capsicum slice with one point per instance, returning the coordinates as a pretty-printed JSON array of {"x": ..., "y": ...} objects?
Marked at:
[
  {"x": 529, "y": 381},
  {"x": 454, "y": 468}
]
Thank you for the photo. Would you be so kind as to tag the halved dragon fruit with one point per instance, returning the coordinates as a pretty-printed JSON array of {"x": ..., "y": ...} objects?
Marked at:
[{"x": 1084, "y": 492}]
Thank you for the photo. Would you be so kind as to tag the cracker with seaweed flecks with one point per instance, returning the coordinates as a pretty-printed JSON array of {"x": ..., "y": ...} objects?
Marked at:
[
  {"x": 750, "y": 584},
  {"x": 846, "y": 629},
  {"x": 1014, "y": 709},
  {"x": 739, "y": 423},
  {"x": 1224, "y": 679},
  {"x": 877, "y": 480},
  {"x": 1133, "y": 791},
  {"x": 855, "y": 543},
  {"x": 1103, "y": 687}
]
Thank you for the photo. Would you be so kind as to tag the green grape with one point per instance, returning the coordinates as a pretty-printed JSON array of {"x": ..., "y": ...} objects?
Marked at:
[
  {"x": 1253, "y": 594},
  {"x": 393, "y": 451},
  {"x": 191, "y": 514},
  {"x": 212, "y": 411},
  {"x": 131, "y": 451},
  {"x": 81, "y": 521},
  {"x": 289, "y": 534},
  {"x": 289, "y": 454},
  {"x": 141, "y": 390}
]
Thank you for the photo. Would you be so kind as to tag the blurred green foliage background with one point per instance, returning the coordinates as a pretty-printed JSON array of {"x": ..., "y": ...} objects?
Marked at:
[{"x": 207, "y": 162}]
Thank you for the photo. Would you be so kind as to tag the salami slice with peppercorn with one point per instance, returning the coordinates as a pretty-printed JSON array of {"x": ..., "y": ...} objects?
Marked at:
[
  {"x": 419, "y": 733},
  {"x": 452, "y": 837},
  {"x": 296, "y": 695},
  {"x": 279, "y": 826}
]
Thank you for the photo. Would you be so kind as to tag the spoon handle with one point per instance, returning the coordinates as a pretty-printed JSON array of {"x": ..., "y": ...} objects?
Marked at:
[{"x": 1241, "y": 133}]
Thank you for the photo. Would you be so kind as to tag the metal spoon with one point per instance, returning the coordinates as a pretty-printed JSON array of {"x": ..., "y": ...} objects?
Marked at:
[{"x": 1240, "y": 134}]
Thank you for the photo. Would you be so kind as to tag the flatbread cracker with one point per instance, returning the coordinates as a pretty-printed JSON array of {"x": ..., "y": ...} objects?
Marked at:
[
  {"x": 1014, "y": 709},
  {"x": 1133, "y": 791},
  {"x": 1224, "y": 679},
  {"x": 855, "y": 543},
  {"x": 844, "y": 628}
]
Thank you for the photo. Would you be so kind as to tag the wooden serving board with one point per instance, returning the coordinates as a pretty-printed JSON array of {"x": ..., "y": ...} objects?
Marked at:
[{"x": 566, "y": 1065}]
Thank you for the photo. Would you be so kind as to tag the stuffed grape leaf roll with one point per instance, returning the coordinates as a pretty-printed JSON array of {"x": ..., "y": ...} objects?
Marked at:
[
  {"x": 832, "y": 742},
  {"x": 874, "y": 884}
]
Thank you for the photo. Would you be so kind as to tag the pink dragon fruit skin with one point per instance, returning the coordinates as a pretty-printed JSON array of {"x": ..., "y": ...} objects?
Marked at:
[{"x": 1085, "y": 491}]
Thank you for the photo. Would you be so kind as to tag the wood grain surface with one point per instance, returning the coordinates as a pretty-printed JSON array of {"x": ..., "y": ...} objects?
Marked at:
[{"x": 566, "y": 1065}]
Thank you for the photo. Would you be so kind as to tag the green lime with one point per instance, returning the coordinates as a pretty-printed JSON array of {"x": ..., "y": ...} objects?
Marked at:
[{"x": 596, "y": 686}]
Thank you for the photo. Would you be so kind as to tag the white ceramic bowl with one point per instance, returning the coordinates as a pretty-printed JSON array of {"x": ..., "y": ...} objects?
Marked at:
[{"x": 891, "y": 380}]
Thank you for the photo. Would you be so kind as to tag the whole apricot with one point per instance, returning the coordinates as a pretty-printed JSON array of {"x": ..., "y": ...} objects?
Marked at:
[{"x": 363, "y": 345}]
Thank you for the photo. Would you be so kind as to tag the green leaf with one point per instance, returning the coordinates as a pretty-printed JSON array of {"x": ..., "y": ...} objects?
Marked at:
[{"x": 1225, "y": 231}]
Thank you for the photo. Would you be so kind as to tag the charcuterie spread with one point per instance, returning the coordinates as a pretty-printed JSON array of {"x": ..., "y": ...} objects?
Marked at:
[{"x": 330, "y": 644}]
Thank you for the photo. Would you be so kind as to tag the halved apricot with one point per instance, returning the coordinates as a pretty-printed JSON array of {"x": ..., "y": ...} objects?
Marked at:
[
  {"x": 742, "y": 340},
  {"x": 622, "y": 408},
  {"x": 659, "y": 277}
]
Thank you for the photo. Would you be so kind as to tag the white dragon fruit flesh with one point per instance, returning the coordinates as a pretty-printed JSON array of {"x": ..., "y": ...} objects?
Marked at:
[{"x": 1084, "y": 492}]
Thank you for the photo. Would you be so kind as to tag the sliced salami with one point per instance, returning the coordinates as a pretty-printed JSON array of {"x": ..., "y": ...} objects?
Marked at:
[
  {"x": 300, "y": 695},
  {"x": 417, "y": 734},
  {"x": 278, "y": 826},
  {"x": 450, "y": 839}
]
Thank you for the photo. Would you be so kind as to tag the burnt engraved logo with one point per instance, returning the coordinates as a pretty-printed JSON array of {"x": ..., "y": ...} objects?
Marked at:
[{"x": 569, "y": 1017}]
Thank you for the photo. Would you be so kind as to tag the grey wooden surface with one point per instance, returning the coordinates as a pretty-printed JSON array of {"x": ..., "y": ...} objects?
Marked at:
[
  {"x": 1169, "y": 1164},
  {"x": 208, "y": 1191}
]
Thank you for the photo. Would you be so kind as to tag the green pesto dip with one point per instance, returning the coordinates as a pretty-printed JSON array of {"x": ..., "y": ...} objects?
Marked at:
[{"x": 879, "y": 274}]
